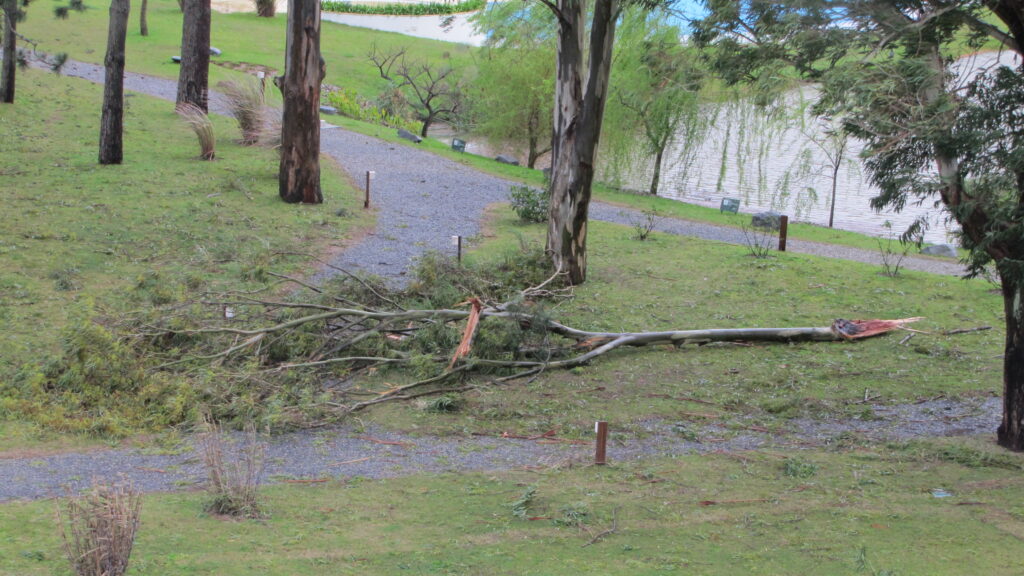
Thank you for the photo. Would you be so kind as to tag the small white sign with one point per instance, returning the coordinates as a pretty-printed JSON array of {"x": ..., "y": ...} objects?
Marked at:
[
  {"x": 455, "y": 240},
  {"x": 371, "y": 174},
  {"x": 261, "y": 74},
  {"x": 596, "y": 427}
]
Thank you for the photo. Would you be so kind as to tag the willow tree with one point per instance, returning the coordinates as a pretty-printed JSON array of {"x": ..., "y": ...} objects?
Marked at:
[
  {"x": 886, "y": 67},
  {"x": 194, "y": 75},
  {"x": 512, "y": 99},
  {"x": 656, "y": 89},
  {"x": 299, "y": 174}
]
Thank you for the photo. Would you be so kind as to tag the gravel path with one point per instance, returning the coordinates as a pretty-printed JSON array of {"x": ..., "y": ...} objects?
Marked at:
[
  {"x": 422, "y": 200},
  {"x": 348, "y": 452}
]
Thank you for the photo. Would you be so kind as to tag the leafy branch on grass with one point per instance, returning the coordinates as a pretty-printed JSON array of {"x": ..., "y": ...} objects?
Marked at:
[{"x": 370, "y": 331}]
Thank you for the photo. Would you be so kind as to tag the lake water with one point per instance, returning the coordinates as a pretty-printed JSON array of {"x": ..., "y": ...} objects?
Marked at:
[{"x": 787, "y": 168}]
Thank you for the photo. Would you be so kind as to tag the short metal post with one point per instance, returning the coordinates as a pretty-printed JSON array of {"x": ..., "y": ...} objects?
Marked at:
[
  {"x": 459, "y": 252},
  {"x": 601, "y": 428},
  {"x": 783, "y": 229},
  {"x": 263, "y": 84}
]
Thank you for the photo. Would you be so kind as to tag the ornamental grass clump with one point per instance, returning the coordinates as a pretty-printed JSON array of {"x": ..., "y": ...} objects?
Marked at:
[
  {"x": 247, "y": 106},
  {"x": 233, "y": 484},
  {"x": 98, "y": 529},
  {"x": 200, "y": 123}
]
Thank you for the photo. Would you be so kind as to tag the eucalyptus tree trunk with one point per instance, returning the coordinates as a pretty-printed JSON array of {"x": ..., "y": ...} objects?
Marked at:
[
  {"x": 299, "y": 175},
  {"x": 579, "y": 107},
  {"x": 10, "y": 51},
  {"x": 656, "y": 178},
  {"x": 193, "y": 78},
  {"x": 112, "y": 119},
  {"x": 143, "y": 23}
]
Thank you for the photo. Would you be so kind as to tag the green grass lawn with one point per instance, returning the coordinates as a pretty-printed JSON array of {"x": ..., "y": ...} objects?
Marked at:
[
  {"x": 77, "y": 235},
  {"x": 770, "y": 513}
]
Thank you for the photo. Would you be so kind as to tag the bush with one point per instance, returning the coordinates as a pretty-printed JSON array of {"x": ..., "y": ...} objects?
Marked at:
[
  {"x": 200, "y": 123},
  {"x": 403, "y": 9},
  {"x": 98, "y": 529},
  {"x": 350, "y": 105},
  {"x": 233, "y": 485},
  {"x": 530, "y": 204},
  {"x": 245, "y": 99}
]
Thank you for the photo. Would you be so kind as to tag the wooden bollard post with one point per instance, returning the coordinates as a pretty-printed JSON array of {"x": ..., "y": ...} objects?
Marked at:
[
  {"x": 369, "y": 176},
  {"x": 601, "y": 445},
  {"x": 783, "y": 229}
]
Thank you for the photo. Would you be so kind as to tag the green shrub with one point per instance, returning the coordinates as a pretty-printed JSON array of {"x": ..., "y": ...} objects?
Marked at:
[
  {"x": 530, "y": 204},
  {"x": 403, "y": 9},
  {"x": 350, "y": 105}
]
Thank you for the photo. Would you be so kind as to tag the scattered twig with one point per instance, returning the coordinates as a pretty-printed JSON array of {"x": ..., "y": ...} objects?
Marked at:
[
  {"x": 966, "y": 330},
  {"x": 608, "y": 532}
]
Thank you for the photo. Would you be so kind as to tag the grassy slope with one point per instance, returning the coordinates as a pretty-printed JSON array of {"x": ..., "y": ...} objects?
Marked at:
[
  {"x": 764, "y": 521},
  {"x": 243, "y": 38},
  {"x": 76, "y": 232}
]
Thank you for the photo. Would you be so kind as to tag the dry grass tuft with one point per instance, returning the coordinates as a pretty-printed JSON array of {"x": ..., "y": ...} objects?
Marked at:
[
  {"x": 201, "y": 125},
  {"x": 98, "y": 529},
  {"x": 247, "y": 106},
  {"x": 233, "y": 485}
]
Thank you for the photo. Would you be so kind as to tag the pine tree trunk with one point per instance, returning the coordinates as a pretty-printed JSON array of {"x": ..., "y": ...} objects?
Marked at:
[
  {"x": 193, "y": 78},
  {"x": 10, "y": 62},
  {"x": 112, "y": 119},
  {"x": 1011, "y": 431},
  {"x": 143, "y": 24},
  {"x": 299, "y": 175},
  {"x": 577, "y": 128}
]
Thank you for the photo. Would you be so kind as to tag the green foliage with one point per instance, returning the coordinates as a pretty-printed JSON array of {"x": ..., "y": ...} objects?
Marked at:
[
  {"x": 521, "y": 507},
  {"x": 351, "y": 105},
  {"x": 798, "y": 468},
  {"x": 404, "y": 8},
  {"x": 445, "y": 403},
  {"x": 530, "y": 204},
  {"x": 96, "y": 385},
  {"x": 512, "y": 97}
]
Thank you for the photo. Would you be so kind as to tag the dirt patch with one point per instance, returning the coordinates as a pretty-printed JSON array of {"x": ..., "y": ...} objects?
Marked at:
[{"x": 248, "y": 68}]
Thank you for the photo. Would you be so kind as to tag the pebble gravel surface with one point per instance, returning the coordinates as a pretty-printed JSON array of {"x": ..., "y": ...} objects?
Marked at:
[
  {"x": 346, "y": 452},
  {"x": 421, "y": 201}
]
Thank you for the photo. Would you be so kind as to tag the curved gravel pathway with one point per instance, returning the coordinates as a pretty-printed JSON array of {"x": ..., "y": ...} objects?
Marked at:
[{"x": 346, "y": 451}]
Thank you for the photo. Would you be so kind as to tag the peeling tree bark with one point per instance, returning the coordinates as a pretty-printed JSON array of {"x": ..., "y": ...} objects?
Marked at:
[
  {"x": 193, "y": 78},
  {"x": 112, "y": 119},
  {"x": 299, "y": 174},
  {"x": 579, "y": 108}
]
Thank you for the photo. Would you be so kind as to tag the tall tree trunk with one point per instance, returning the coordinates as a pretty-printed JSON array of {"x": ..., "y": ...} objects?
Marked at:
[
  {"x": 577, "y": 128},
  {"x": 10, "y": 51},
  {"x": 193, "y": 78},
  {"x": 112, "y": 119},
  {"x": 143, "y": 24},
  {"x": 1011, "y": 431},
  {"x": 299, "y": 175},
  {"x": 656, "y": 179}
]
